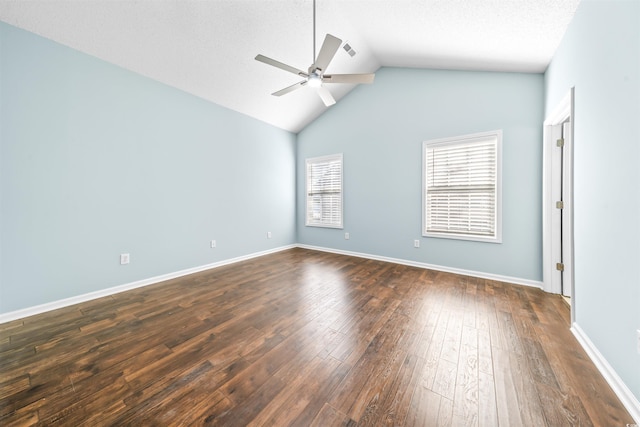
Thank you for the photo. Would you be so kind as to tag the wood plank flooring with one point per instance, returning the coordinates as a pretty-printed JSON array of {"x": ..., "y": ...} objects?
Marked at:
[{"x": 305, "y": 338}]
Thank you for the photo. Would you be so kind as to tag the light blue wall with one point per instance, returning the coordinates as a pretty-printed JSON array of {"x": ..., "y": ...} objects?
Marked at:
[
  {"x": 600, "y": 56},
  {"x": 380, "y": 129},
  {"x": 98, "y": 161}
]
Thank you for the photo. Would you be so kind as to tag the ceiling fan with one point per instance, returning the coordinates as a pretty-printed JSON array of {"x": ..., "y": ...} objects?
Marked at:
[{"x": 316, "y": 77}]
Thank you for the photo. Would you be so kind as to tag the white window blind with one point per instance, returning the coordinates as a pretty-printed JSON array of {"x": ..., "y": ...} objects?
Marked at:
[
  {"x": 324, "y": 191},
  {"x": 461, "y": 187}
]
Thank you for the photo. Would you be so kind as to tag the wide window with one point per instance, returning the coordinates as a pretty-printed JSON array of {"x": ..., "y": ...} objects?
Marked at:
[
  {"x": 461, "y": 187},
  {"x": 324, "y": 191}
]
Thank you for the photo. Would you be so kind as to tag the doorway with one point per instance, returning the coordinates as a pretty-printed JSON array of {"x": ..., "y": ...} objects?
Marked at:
[{"x": 558, "y": 201}]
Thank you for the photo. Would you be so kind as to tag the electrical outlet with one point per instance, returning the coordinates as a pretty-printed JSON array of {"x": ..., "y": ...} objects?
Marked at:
[
  {"x": 416, "y": 243},
  {"x": 346, "y": 236},
  {"x": 124, "y": 259},
  {"x": 268, "y": 234},
  {"x": 213, "y": 243}
]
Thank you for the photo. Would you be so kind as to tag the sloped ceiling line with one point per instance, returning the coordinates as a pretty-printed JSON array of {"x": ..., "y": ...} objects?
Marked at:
[{"x": 206, "y": 48}]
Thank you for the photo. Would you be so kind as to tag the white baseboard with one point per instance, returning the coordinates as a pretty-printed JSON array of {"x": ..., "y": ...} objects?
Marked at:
[
  {"x": 54, "y": 305},
  {"x": 621, "y": 390},
  {"x": 479, "y": 274},
  {"x": 31, "y": 311},
  {"x": 625, "y": 395}
]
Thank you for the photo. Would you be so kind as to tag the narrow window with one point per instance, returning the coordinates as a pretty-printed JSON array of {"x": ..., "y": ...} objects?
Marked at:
[
  {"x": 324, "y": 191},
  {"x": 461, "y": 187}
]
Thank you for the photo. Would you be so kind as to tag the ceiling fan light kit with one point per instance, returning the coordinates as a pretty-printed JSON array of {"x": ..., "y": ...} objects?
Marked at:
[
  {"x": 314, "y": 80},
  {"x": 316, "y": 77}
]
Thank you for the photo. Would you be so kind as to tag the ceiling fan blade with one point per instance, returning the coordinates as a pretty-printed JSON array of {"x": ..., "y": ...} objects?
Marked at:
[
  {"x": 326, "y": 96},
  {"x": 289, "y": 88},
  {"x": 280, "y": 65},
  {"x": 348, "y": 78},
  {"x": 329, "y": 48}
]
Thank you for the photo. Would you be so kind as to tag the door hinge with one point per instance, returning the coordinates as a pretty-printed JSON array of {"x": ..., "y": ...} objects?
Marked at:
[
  {"x": 560, "y": 142},
  {"x": 560, "y": 266},
  {"x": 560, "y": 205}
]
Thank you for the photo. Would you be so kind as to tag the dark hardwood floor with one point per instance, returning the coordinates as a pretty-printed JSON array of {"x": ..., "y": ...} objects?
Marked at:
[{"x": 308, "y": 339}]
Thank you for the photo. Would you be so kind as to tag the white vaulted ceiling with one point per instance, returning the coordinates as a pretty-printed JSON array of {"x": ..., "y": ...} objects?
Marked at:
[{"x": 207, "y": 47}]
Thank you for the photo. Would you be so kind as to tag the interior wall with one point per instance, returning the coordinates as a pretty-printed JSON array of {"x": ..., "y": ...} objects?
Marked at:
[
  {"x": 97, "y": 161},
  {"x": 380, "y": 129},
  {"x": 600, "y": 56}
]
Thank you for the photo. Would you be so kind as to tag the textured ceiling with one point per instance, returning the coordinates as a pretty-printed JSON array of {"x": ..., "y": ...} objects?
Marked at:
[{"x": 207, "y": 47}]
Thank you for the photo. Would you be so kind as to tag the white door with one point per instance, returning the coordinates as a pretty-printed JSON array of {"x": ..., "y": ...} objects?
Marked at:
[
  {"x": 556, "y": 213},
  {"x": 567, "y": 210},
  {"x": 561, "y": 237},
  {"x": 557, "y": 186}
]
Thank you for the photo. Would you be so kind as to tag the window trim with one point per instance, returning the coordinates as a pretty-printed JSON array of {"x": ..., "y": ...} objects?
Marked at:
[
  {"x": 321, "y": 159},
  {"x": 497, "y": 238}
]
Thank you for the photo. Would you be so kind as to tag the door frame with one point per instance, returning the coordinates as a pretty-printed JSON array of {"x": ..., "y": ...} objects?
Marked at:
[{"x": 564, "y": 111}]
